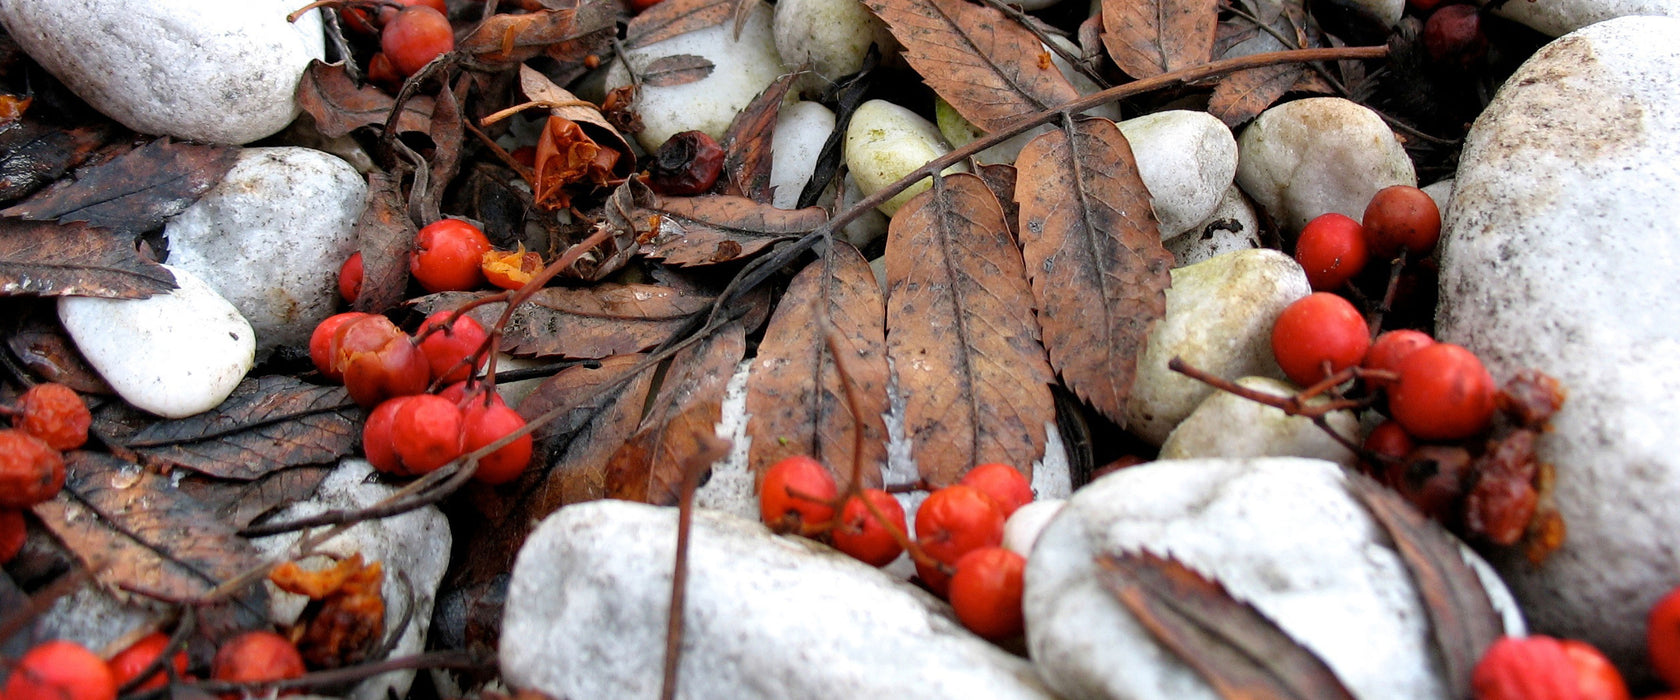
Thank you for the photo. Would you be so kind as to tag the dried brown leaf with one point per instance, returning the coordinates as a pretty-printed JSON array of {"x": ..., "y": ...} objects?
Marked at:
[
  {"x": 584, "y": 323},
  {"x": 240, "y": 503},
  {"x": 340, "y": 107},
  {"x": 747, "y": 143},
  {"x": 48, "y": 259},
  {"x": 448, "y": 134},
  {"x": 680, "y": 69},
  {"x": 38, "y": 340},
  {"x": 267, "y": 424},
  {"x": 134, "y": 192},
  {"x": 1093, "y": 251},
  {"x": 1149, "y": 37},
  {"x": 1232, "y": 646},
  {"x": 1243, "y": 95},
  {"x": 710, "y": 229},
  {"x": 562, "y": 103},
  {"x": 505, "y": 40},
  {"x": 990, "y": 68},
  {"x": 1462, "y": 620},
  {"x": 799, "y": 401},
  {"x": 681, "y": 422},
  {"x": 671, "y": 18},
  {"x": 961, "y": 334},
  {"x": 384, "y": 236},
  {"x": 33, "y": 154}
]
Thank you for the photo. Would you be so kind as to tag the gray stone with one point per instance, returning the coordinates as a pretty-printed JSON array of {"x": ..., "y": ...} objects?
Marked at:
[
  {"x": 175, "y": 354},
  {"x": 1227, "y": 425},
  {"x": 1281, "y": 534},
  {"x": 1559, "y": 17},
  {"x": 1187, "y": 160},
  {"x": 1219, "y": 319},
  {"x": 413, "y": 549},
  {"x": 1559, "y": 253},
  {"x": 1231, "y": 227},
  {"x": 765, "y": 617},
  {"x": 1441, "y": 192},
  {"x": 831, "y": 37},
  {"x": 271, "y": 238},
  {"x": 1022, "y": 529},
  {"x": 202, "y": 70},
  {"x": 1318, "y": 155}
]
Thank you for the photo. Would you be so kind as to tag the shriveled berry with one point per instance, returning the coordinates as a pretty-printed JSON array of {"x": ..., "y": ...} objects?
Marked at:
[
  {"x": 60, "y": 670},
  {"x": 378, "y": 360},
  {"x": 1432, "y": 478},
  {"x": 687, "y": 163},
  {"x": 426, "y": 433},
  {"x": 448, "y": 256},
  {"x": 1402, "y": 216},
  {"x": 796, "y": 491},
  {"x": 1390, "y": 349},
  {"x": 350, "y": 278},
  {"x": 986, "y": 592},
  {"x": 255, "y": 657},
  {"x": 414, "y": 37},
  {"x": 129, "y": 663},
  {"x": 1005, "y": 484},
  {"x": 1331, "y": 250},
  {"x": 321, "y": 344},
  {"x": 483, "y": 425},
  {"x": 1444, "y": 393},
  {"x": 865, "y": 537},
  {"x": 511, "y": 269},
  {"x": 1318, "y": 335},
  {"x": 31, "y": 471},
  {"x": 448, "y": 346},
  {"x": 13, "y": 532},
  {"x": 54, "y": 413},
  {"x": 954, "y": 521}
]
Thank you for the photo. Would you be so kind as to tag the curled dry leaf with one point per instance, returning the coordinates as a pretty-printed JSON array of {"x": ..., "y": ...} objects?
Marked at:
[
  {"x": 566, "y": 35},
  {"x": 987, "y": 66},
  {"x": 712, "y": 229},
  {"x": 747, "y": 142},
  {"x": 1093, "y": 251},
  {"x": 565, "y": 155},
  {"x": 961, "y": 334},
  {"x": 680, "y": 69},
  {"x": 1231, "y": 645},
  {"x": 799, "y": 400},
  {"x": 681, "y": 422},
  {"x": 340, "y": 107},
  {"x": 134, "y": 192},
  {"x": 670, "y": 18},
  {"x": 267, "y": 424},
  {"x": 384, "y": 236},
  {"x": 44, "y": 258},
  {"x": 584, "y": 323},
  {"x": 1149, "y": 37}
]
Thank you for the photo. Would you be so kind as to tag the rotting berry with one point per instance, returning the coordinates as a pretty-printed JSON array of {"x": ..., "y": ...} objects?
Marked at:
[
  {"x": 129, "y": 663},
  {"x": 256, "y": 657},
  {"x": 321, "y": 343},
  {"x": 482, "y": 425},
  {"x": 448, "y": 346},
  {"x": 1402, "y": 216},
  {"x": 350, "y": 278},
  {"x": 60, "y": 670},
  {"x": 954, "y": 521},
  {"x": 864, "y": 537},
  {"x": 1444, "y": 393},
  {"x": 688, "y": 163},
  {"x": 1317, "y": 330},
  {"x": 796, "y": 491},
  {"x": 31, "y": 471},
  {"x": 55, "y": 414},
  {"x": 511, "y": 269},
  {"x": 1432, "y": 479},
  {"x": 426, "y": 433},
  {"x": 378, "y": 360},
  {"x": 986, "y": 592},
  {"x": 1331, "y": 250},
  {"x": 1007, "y": 486},
  {"x": 414, "y": 37},
  {"x": 448, "y": 256}
]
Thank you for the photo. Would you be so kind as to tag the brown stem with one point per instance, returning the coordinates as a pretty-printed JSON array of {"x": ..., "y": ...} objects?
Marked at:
[
  {"x": 1292, "y": 405},
  {"x": 1389, "y": 292},
  {"x": 712, "y": 448}
]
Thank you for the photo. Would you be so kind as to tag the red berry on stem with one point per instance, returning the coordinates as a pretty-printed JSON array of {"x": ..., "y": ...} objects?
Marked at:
[
  {"x": 1390, "y": 349},
  {"x": 1317, "y": 329},
  {"x": 1389, "y": 440},
  {"x": 377, "y": 442},
  {"x": 483, "y": 425},
  {"x": 13, "y": 532},
  {"x": 796, "y": 491},
  {"x": 55, "y": 414},
  {"x": 1402, "y": 216},
  {"x": 954, "y": 521},
  {"x": 414, "y": 37},
  {"x": 321, "y": 344},
  {"x": 31, "y": 471},
  {"x": 986, "y": 592},
  {"x": 426, "y": 433},
  {"x": 128, "y": 663},
  {"x": 1444, "y": 393},
  {"x": 448, "y": 256},
  {"x": 256, "y": 657},
  {"x": 1007, "y": 486},
  {"x": 60, "y": 670},
  {"x": 457, "y": 394},
  {"x": 447, "y": 346},
  {"x": 350, "y": 278},
  {"x": 864, "y": 537},
  {"x": 1453, "y": 36},
  {"x": 1597, "y": 678},
  {"x": 1332, "y": 250}
]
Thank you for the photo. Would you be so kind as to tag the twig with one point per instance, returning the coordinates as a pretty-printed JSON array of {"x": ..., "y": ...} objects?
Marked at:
[
  {"x": 712, "y": 448},
  {"x": 1389, "y": 293}
]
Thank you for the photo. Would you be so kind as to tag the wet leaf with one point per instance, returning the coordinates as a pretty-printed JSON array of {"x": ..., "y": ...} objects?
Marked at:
[
  {"x": 711, "y": 229},
  {"x": 504, "y": 40},
  {"x": 1093, "y": 251},
  {"x": 747, "y": 144},
  {"x": 33, "y": 154},
  {"x": 671, "y": 18},
  {"x": 267, "y": 424},
  {"x": 961, "y": 334},
  {"x": 340, "y": 107},
  {"x": 134, "y": 192},
  {"x": 798, "y": 400},
  {"x": 990, "y": 68},
  {"x": 37, "y": 339},
  {"x": 1149, "y": 37},
  {"x": 680, "y": 69},
  {"x": 1232, "y": 646},
  {"x": 41, "y": 257},
  {"x": 384, "y": 236},
  {"x": 585, "y": 323},
  {"x": 240, "y": 503},
  {"x": 681, "y": 422},
  {"x": 1462, "y": 621}
]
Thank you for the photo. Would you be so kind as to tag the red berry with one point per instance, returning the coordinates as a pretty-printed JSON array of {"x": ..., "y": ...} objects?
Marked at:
[
  {"x": 55, "y": 414},
  {"x": 448, "y": 256},
  {"x": 380, "y": 72},
  {"x": 377, "y": 443},
  {"x": 1597, "y": 678},
  {"x": 356, "y": 19},
  {"x": 986, "y": 592},
  {"x": 1317, "y": 329},
  {"x": 1007, "y": 486},
  {"x": 1453, "y": 36},
  {"x": 13, "y": 531},
  {"x": 1402, "y": 216},
  {"x": 486, "y": 424},
  {"x": 954, "y": 521},
  {"x": 128, "y": 663},
  {"x": 378, "y": 360},
  {"x": 60, "y": 670},
  {"x": 1332, "y": 250},
  {"x": 350, "y": 278},
  {"x": 864, "y": 537},
  {"x": 640, "y": 6},
  {"x": 1444, "y": 393},
  {"x": 426, "y": 433},
  {"x": 1662, "y": 637},
  {"x": 31, "y": 471},
  {"x": 256, "y": 657},
  {"x": 457, "y": 393},
  {"x": 796, "y": 491},
  {"x": 1389, "y": 440},
  {"x": 448, "y": 348},
  {"x": 414, "y": 37},
  {"x": 321, "y": 342},
  {"x": 1390, "y": 349}
]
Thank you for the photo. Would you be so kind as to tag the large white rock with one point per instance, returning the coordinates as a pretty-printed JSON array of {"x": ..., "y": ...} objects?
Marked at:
[
  {"x": 413, "y": 549},
  {"x": 831, "y": 37},
  {"x": 742, "y": 68},
  {"x": 801, "y": 130},
  {"x": 271, "y": 238},
  {"x": 202, "y": 70},
  {"x": 1227, "y": 425},
  {"x": 1559, "y": 253},
  {"x": 1318, "y": 155},
  {"x": 885, "y": 142},
  {"x": 1219, "y": 319},
  {"x": 1282, "y": 534},
  {"x": 174, "y": 354},
  {"x": 1232, "y": 226},
  {"x": 1559, "y": 17},
  {"x": 766, "y": 617},
  {"x": 1187, "y": 160}
]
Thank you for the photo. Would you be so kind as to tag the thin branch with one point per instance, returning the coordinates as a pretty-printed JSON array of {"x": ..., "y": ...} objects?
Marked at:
[{"x": 712, "y": 449}]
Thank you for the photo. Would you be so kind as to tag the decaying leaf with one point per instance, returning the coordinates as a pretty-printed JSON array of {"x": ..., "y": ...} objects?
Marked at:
[
  {"x": 384, "y": 236},
  {"x": 1093, "y": 251},
  {"x": 134, "y": 192},
  {"x": 565, "y": 155},
  {"x": 711, "y": 229},
  {"x": 33, "y": 154},
  {"x": 504, "y": 40},
  {"x": 1462, "y": 621},
  {"x": 1243, "y": 95},
  {"x": 680, "y": 69},
  {"x": 1232, "y": 646},
  {"x": 1149, "y": 37},
  {"x": 961, "y": 334},
  {"x": 345, "y": 619},
  {"x": 747, "y": 144},
  {"x": 38, "y": 340},
  {"x": 673, "y": 17},
  {"x": 41, "y": 257},
  {"x": 681, "y": 422},
  {"x": 340, "y": 107},
  {"x": 798, "y": 400},
  {"x": 267, "y": 424},
  {"x": 448, "y": 134},
  {"x": 987, "y": 66},
  {"x": 240, "y": 503},
  {"x": 584, "y": 323}
]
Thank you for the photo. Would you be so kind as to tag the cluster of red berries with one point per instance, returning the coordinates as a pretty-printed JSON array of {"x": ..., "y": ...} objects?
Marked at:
[
  {"x": 64, "y": 670},
  {"x": 1524, "y": 668},
  {"x": 451, "y": 255},
  {"x": 47, "y": 420},
  {"x": 410, "y": 431},
  {"x": 958, "y": 548},
  {"x": 1334, "y": 248},
  {"x": 409, "y": 37}
]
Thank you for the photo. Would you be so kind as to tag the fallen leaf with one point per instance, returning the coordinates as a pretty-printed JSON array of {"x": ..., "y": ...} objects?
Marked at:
[
  {"x": 1232, "y": 646},
  {"x": 679, "y": 69},
  {"x": 681, "y": 421},
  {"x": 134, "y": 192},
  {"x": 987, "y": 66},
  {"x": 961, "y": 334},
  {"x": 267, "y": 424},
  {"x": 748, "y": 141},
  {"x": 504, "y": 40},
  {"x": 565, "y": 155},
  {"x": 1243, "y": 95},
  {"x": 448, "y": 134},
  {"x": 75, "y": 259},
  {"x": 563, "y": 103},
  {"x": 33, "y": 154},
  {"x": 37, "y": 339},
  {"x": 1149, "y": 37},
  {"x": 1093, "y": 251},
  {"x": 799, "y": 401},
  {"x": 711, "y": 229},
  {"x": 671, "y": 18},
  {"x": 384, "y": 236},
  {"x": 240, "y": 503},
  {"x": 584, "y": 323},
  {"x": 340, "y": 107}
]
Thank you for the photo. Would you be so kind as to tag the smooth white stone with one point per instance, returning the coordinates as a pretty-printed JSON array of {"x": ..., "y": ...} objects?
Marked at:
[
  {"x": 1233, "y": 226},
  {"x": 885, "y": 142},
  {"x": 1187, "y": 160},
  {"x": 1021, "y": 531},
  {"x": 1441, "y": 192},
  {"x": 832, "y": 37},
  {"x": 801, "y": 130},
  {"x": 1318, "y": 155},
  {"x": 1559, "y": 17},
  {"x": 1227, "y": 425}
]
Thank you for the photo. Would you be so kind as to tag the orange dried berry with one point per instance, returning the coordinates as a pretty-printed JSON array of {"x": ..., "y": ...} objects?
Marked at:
[
  {"x": 31, "y": 471},
  {"x": 865, "y": 537},
  {"x": 54, "y": 413},
  {"x": 511, "y": 269}
]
